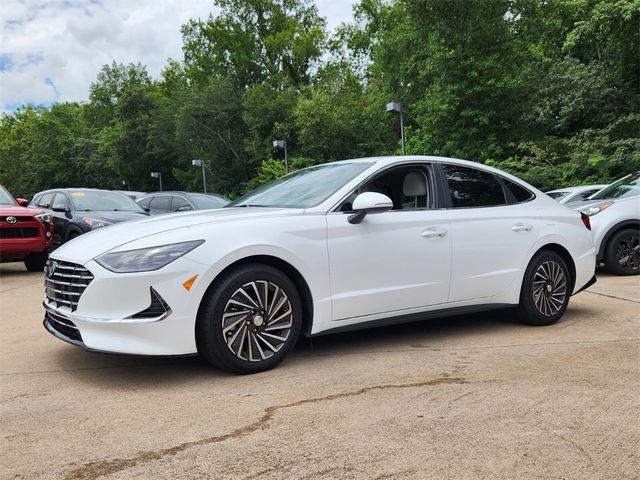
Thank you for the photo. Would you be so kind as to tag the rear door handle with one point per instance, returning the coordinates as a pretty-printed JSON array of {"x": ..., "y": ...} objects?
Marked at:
[
  {"x": 434, "y": 233},
  {"x": 521, "y": 227}
]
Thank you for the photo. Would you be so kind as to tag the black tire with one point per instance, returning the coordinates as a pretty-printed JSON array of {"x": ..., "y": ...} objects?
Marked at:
[
  {"x": 35, "y": 262},
  {"x": 546, "y": 289},
  {"x": 218, "y": 311},
  {"x": 622, "y": 253}
]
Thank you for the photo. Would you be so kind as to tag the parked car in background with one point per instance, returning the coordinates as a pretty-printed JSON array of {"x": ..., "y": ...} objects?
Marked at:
[
  {"x": 615, "y": 222},
  {"x": 167, "y": 202},
  {"x": 78, "y": 210},
  {"x": 25, "y": 233},
  {"x": 572, "y": 194},
  {"x": 132, "y": 194},
  {"x": 333, "y": 247}
]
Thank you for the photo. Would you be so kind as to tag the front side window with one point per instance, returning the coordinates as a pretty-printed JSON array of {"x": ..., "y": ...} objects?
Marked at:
[
  {"x": 180, "y": 204},
  {"x": 161, "y": 204},
  {"x": 303, "y": 188},
  {"x": 408, "y": 187},
  {"x": 470, "y": 187},
  {"x": 60, "y": 201},
  {"x": 628, "y": 186},
  {"x": 45, "y": 200}
]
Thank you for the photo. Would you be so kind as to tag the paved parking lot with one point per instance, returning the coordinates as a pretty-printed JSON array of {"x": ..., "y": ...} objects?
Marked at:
[{"x": 478, "y": 396}]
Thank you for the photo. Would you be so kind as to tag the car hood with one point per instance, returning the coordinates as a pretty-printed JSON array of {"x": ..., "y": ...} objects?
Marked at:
[
  {"x": 18, "y": 211},
  {"x": 92, "y": 244},
  {"x": 112, "y": 216}
]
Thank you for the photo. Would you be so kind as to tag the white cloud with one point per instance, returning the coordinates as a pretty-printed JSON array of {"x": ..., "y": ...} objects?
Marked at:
[{"x": 51, "y": 50}]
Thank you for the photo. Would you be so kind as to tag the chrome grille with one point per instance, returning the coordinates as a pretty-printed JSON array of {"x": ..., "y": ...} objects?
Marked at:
[{"x": 65, "y": 282}]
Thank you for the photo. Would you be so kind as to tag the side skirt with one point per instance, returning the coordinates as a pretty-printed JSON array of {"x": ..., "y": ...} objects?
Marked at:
[{"x": 415, "y": 317}]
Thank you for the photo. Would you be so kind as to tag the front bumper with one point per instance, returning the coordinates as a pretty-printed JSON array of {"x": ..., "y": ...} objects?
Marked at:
[{"x": 107, "y": 317}]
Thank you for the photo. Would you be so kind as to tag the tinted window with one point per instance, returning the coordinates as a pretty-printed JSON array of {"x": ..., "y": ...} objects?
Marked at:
[
  {"x": 520, "y": 193},
  {"x": 161, "y": 204},
  {"x": 473, "y": 188},
  {"x": 180, "y": 204},
  {"x": 45, "y": 200}
]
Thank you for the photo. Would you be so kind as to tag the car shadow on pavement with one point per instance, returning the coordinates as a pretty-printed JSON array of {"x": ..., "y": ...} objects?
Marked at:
[{"x": 121, "y": 371}]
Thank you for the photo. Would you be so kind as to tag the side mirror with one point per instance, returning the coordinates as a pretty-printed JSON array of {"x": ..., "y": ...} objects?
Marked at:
[
  {"x": 369, "y": 202},
  {"x": 59, "y": 208},
  {"x": 23, "y": 202},
  {"x": 146, "y": 209},
  {"x": 184, "y": 208}
]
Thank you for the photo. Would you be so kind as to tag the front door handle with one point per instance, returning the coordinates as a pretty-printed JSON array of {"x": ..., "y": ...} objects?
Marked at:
[
  {"x": 521, "y": 227},
  {"x": 434, "y": 233}
]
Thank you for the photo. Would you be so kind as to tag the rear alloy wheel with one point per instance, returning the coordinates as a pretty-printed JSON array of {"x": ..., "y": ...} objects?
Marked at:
[
  {"x": 622, "y": 255},
  {"x": 35, "y": 262},
  {"x": 545, "y": 289},
  {"x": 249, "y": 320}
]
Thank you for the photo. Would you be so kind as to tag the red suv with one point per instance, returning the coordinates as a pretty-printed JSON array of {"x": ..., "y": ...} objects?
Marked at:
[{"x": 25, "y": 233}]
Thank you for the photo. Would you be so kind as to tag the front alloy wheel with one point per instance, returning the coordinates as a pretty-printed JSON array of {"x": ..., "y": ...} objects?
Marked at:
[
  {"x": 622, "y": 255},
  {"x": 546, "y": 288},
  {"x": 257, "y": 321},
  {"x": 249, "y": 319}
]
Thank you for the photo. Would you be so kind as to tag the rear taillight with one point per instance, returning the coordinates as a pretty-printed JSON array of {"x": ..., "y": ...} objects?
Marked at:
[{"x": 585, "y": 220}]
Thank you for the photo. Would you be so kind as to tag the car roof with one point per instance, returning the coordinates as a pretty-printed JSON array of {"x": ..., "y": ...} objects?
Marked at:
[{"x": 180, "y": 192}]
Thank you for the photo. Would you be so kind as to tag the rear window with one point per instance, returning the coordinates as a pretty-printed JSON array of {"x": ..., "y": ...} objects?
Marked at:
[{"x": 470, "y": 187}]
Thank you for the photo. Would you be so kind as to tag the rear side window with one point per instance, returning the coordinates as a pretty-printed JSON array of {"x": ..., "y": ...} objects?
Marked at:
[
  {"x": 473, "y": 188},
  {"x": 520, "y": 193}
]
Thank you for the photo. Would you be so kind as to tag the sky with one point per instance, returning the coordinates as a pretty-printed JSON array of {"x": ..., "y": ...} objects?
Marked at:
[{"x": 51, "y": 50}]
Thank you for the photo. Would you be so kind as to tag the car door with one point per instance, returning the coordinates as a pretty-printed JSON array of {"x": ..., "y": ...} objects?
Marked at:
[
  {"x": 394, "y": 261},
  {"x": 491, "y": 232},
  {"x": 61, "y": 213}
]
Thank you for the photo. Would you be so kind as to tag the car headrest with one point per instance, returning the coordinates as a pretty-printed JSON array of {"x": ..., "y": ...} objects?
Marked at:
[{"x": 415, "y": 184}]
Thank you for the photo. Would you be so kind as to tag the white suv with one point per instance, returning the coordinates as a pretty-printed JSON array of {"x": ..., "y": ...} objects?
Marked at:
[{"x": 615, "y": 223}]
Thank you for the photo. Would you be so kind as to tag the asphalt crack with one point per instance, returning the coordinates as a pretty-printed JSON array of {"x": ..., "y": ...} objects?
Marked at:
[{"x": 94, "y": 470}]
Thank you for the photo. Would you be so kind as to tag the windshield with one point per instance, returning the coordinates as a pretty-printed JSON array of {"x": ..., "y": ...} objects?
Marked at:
[
  {"x": 103, "y": 200},
  {"x": 558, "y": 195},
  {"x": 204, "y": 202},
  {"x": 303, "y": 188},
  {"x": 628, "y": 186},
  {"x": 5, "y": 198}
]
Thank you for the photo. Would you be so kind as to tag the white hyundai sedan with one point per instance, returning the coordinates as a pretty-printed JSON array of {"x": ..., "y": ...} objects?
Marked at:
[{"x": 341, "y": 246}]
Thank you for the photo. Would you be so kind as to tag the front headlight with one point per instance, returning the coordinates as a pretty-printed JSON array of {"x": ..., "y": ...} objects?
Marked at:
[
  {"x": 45, "y": 218},
  {"x": 145, "y": 259},
  {"x": 94, "y": 222},
  {"x": 595, "y": 209}
]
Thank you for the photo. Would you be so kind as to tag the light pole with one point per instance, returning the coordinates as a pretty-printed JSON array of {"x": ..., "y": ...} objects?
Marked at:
[
  {"x": 200, "y": 163},
  {"x": 283, "y": 144},
  {"x": 157, "y": 175},
  {"x": 397, "y": 107}
]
